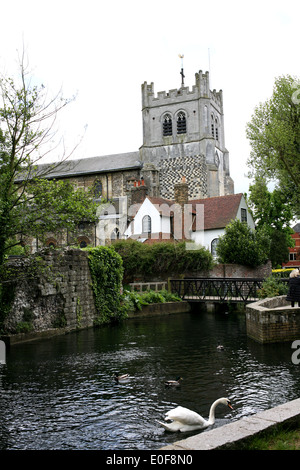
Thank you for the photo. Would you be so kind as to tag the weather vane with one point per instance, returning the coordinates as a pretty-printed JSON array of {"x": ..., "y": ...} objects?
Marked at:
[{"x": 181, "y": 56}]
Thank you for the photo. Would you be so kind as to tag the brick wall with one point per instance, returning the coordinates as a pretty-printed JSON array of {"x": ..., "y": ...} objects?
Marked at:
[{"x": 272, "y": 321}]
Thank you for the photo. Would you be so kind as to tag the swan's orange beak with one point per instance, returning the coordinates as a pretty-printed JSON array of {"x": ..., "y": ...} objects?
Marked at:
[{"x": 229, "y": 406}]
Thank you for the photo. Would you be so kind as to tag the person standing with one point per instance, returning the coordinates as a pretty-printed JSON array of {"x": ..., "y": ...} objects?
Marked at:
[{"x": 293, "y": 295}]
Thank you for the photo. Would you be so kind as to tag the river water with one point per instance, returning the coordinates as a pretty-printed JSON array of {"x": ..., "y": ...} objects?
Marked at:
[{"x": 59, "y": 393}]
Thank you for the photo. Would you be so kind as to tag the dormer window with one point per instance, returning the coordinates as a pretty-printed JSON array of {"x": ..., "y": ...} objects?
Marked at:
[
  {"x": 167, "y": 125},
  {"x": 181, "y": 123}
]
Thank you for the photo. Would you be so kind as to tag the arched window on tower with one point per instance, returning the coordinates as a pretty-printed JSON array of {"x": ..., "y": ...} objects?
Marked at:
[
  {"x": 217, "y": 129},
  {"x": 146, "y": 224},
  {"x": 181, "y": 123},
  {"x": 167, "y": 125},
  {"x": 205, "y": 116},
  {"x": 212, "y": 126}
]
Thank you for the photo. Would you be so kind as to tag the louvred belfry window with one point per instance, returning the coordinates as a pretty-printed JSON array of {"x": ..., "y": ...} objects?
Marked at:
[
  {"x": 167, "y": 125},
  {"x": 181, "y": 123}
]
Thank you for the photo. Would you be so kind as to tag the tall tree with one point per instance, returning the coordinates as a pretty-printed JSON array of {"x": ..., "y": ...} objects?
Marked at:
[
  {"x": 274, "y": 135},
  {"x": 31, "y": 204},
  {"x": 242, "y": 245},
  {"x": 272, "y": 212}
]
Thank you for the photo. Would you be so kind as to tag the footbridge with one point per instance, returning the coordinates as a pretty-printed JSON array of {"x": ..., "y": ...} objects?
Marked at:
[{"x": 217, "y": 289}]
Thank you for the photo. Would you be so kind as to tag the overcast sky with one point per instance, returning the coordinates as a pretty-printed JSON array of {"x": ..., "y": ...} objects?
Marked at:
[{"x": 103, "y": 51}]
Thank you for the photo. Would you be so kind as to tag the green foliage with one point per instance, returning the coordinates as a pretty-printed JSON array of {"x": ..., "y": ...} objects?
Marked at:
[
  {"x": 242, "y": 245},
  {"x": 143, "y": 259},
  {"x": 274, "y": 135},
  {"x": 272, "y": 287},
  {"x": 272, "y": 212},
  {"x": 106, "y": 268},
  {"x": 280, "y": 437},
  {"x": 135, "y": 300},
  {"x": 24, "y": 327},
  {"x": 31, "y": 204},
  {"x": 7, "y": 294},
  {"x": 282, "y": 273},
  {"x": 16, "y": 249},
  {"x": 60, "y": 321}
]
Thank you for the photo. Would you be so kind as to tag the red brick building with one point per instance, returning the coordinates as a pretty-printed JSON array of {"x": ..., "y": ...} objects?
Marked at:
[{"x": 294, "y": 256}]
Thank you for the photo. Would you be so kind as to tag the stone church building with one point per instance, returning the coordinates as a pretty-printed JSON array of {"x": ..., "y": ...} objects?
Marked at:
[{"x": 183, "y": 137}]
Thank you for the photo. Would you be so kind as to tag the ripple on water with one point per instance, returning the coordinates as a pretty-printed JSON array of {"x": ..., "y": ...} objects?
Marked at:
[{"x": 60, "y": 394}]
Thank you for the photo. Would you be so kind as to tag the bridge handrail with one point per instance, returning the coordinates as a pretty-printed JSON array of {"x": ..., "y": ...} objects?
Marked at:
[{"x": 218, "y": 289}]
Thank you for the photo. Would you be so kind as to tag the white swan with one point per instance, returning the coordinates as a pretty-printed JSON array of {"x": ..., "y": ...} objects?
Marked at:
[{"x": 184, "y": 419}]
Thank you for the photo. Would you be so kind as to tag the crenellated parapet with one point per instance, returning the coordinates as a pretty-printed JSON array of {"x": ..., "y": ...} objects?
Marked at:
[{"x": 199, "y": 90}]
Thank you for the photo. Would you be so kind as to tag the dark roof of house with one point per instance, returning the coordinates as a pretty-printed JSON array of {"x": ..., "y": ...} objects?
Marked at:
[
  {"x": 296, "y": 228},
  {"x": 92, "y": 165},
  {"x": 219, "y": 211}
]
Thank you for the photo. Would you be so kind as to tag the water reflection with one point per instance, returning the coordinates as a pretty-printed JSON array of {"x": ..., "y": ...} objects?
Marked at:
[{"x": 60, "y": 393}]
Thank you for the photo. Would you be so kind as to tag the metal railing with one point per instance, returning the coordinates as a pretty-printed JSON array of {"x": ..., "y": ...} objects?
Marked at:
[{"x": 217, "y": 289}]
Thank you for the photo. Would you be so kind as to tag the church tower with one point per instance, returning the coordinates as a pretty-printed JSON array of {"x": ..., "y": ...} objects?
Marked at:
[{"x": 183, "y": 136}]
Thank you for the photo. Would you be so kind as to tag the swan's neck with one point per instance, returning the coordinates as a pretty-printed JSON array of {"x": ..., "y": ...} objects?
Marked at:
[{"x": 213, "y": 407}]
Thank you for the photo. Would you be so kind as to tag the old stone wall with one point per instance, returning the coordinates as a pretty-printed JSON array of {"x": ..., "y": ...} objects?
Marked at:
[
  {"x": 238, "y": 270},
  {"x": 60, "y": 296},
  {"x": 273, "y": 320},
  {"x": 231, "y": 271}
]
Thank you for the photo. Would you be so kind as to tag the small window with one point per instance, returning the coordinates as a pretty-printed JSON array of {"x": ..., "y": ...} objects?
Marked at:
[
  {"x": 51, "y": 243},
  {"x": 244, "y": 215},
  {"x": 214, "y": 244},
  {"x": 146, "y": 224},
  {"x": 167, "y": 125},
  {"x": 97, "y": 189},
  {"x": 115, "y": 235},
  {"x": 181, "y": 123},
  {"x": 293, "y": 256},
  {"x": 205, "y": 115},
  {"x": 83, "y": 242},
  {"x": 217, "y": 130}
]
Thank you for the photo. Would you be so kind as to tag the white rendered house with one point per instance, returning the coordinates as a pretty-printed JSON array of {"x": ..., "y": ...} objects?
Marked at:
[{"x": 206, "y": 219}]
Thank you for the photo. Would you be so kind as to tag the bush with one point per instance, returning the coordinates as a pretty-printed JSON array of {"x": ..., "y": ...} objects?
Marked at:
[
  {"x": 160, "y": 258},
  {"x": 272, "y": 287},
  {"x": 24, "y": 327},
  {"x": 282, "y": 273},
  {"x": 134, "y": 300},
  {"x": 242, "y": 245}
]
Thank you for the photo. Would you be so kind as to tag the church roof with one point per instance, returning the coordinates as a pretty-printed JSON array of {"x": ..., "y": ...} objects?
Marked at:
[{"x": 92, "y": 165}]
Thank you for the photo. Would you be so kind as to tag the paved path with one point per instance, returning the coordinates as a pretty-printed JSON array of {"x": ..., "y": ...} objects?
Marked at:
[{"x": 230, "y": 435}]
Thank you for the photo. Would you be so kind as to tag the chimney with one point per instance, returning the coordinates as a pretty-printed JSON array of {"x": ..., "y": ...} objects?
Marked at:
[
  {"x": 181, "y": 198},
  {"x": 139, "y": 192},
  {"x": 181, "y": 192}
]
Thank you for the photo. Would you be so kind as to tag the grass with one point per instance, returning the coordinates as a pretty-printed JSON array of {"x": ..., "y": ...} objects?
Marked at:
[{"x": 280, "y": 438}]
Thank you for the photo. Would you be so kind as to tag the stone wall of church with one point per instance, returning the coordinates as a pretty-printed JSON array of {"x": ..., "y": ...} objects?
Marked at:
[{"x": 193, "y": 168}]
